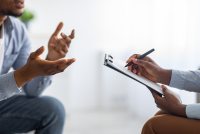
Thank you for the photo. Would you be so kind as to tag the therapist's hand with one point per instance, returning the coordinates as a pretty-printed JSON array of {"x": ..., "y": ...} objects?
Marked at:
[
  {"x": 170, "y": 103},
  {"x": 149, "y": 69},
  {"x": 59, "y": 46}
]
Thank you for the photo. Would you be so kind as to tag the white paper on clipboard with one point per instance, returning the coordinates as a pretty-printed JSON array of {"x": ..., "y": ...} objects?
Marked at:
[{"x": 118, "y": 66}]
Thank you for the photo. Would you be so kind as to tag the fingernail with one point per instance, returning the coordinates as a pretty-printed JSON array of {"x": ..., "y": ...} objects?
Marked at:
[
  {"x": 41, "y": 46},
  {"x": 62, "y": 34},
  {"x": 61, "y": 23},
  {"x": 134, "y": 71},
  {"x": 135, "y": 60},
  {"x": 74, "y": 60},
  {"x": 163, "y": 88},
  {"x": 41, "y": 49}
]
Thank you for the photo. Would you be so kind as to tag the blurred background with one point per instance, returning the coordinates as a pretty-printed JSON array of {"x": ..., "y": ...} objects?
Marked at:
[{"x": 97, "y": 99}]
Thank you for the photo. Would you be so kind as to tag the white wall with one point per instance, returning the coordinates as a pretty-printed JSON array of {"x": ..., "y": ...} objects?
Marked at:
[{"x": 121, "y": 27}]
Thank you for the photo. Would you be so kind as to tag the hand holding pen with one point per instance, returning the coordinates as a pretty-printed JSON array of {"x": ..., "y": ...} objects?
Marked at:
[
  {"x": 141, "y": 57},
  {"x": 146, "y": 67},
  {"x": 132, "y": 66}
]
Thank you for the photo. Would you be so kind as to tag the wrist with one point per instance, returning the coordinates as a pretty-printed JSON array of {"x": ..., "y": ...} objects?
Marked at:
[
  {"x": 165, "y": 76},
  {"x": 22, "y": 76},
  {"x": 181, "y": 110},
  {"x": 50, "y": 58}
]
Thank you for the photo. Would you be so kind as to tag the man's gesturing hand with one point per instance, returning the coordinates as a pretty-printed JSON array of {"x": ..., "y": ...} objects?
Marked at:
[
  {"x": 58, "y": 46},
  {"x": 38, "y": 67}
]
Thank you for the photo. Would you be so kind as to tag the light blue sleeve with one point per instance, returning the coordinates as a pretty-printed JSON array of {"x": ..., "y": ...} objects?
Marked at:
[
  {"x": 186, "y": 80},
  {"x": 36, "y": 86},
  {"x": 190, "y": 81},
  {"x": 8, "y": 86}
]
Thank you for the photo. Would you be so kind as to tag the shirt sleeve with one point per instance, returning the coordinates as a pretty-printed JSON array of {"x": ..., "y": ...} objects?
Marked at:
[
  {"x": 36, "y": 86},
  {"x": 8, "y": 86},
  {"x": 186, "y": 80},
  {"x": 193, "y": 111},
  {"x": 190, "y": 81}
]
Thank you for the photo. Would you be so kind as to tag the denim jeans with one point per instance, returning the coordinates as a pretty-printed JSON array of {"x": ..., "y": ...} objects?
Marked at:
[{"x": 20, "y": 114}]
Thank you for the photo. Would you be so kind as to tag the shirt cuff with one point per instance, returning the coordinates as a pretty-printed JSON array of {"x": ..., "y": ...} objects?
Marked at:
[
  {"x": 8, "y": 86},
  {"x": 193, "y": 111},
  {"x": 36, "y": 86}
]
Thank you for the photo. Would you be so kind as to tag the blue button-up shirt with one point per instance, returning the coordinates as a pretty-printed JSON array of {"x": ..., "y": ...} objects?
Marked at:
[{"x": 17, "y": 50}]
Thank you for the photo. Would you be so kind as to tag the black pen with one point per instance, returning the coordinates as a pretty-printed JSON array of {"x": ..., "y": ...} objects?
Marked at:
[{"x": 141, "y": 56}]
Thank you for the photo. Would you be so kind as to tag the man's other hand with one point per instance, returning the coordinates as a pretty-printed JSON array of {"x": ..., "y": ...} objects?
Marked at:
[{"x": 58, "y": 46}]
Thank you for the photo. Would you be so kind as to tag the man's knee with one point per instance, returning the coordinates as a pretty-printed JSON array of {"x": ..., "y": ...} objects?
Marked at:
[{"x": 53, "y": 107}]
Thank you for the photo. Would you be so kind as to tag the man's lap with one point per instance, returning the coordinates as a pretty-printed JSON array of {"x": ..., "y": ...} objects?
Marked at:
[{"x": 23, "y": 114}]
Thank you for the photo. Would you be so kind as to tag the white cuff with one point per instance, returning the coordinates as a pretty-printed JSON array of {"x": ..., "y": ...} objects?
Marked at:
[{"x": 193, "y": 111}]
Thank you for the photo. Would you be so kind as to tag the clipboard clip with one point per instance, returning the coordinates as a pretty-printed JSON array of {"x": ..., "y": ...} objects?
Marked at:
[{"x": 108, "y": 58}]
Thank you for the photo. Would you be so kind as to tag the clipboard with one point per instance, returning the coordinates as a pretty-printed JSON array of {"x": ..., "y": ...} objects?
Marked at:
[{"x": 118, "y": 66}]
